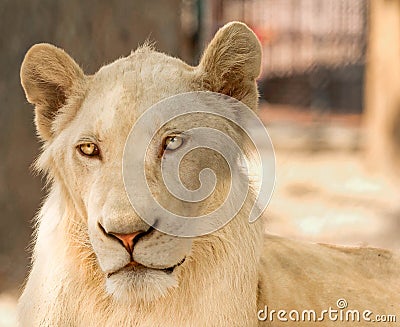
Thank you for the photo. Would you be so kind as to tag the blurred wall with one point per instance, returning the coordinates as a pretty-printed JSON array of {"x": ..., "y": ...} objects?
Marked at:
[{"x": 94, "y": 33}]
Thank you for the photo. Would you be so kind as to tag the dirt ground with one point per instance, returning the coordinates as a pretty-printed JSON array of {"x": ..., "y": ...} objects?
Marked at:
[
  {"x": 332, "y": 197},
  {"x": 324, "y": 190}
]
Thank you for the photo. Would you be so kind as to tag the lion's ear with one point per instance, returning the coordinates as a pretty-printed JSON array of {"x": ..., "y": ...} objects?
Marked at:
[
  {"x": 232, "y": 62},
  {"x": 48, "y": 75}
]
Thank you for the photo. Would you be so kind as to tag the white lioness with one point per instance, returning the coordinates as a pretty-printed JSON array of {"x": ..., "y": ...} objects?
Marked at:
[{"x": 96, "y": 263}]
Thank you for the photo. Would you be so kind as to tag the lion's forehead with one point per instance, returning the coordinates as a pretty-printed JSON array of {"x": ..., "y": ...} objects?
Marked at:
[{"x": 120, "y": 92}]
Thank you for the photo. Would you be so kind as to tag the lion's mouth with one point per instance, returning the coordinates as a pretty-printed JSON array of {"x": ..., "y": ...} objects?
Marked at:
[{"x": 134, "y": 265}]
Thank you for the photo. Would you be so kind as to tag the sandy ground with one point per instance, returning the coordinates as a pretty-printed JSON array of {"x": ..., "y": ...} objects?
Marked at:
[
  {"x": 324, "y": 191},
  {"x": 332, "y": 197}
]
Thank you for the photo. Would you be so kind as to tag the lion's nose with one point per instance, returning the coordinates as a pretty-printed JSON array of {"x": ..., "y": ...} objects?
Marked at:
[{"x": 129, "y": 240}]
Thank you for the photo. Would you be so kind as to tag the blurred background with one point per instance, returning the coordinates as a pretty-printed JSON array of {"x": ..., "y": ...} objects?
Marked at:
[{"x": 330, "y": 97}]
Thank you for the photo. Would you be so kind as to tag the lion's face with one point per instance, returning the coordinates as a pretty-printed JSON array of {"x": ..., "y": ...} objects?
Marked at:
[
  {"x": 85, "y": 122},
  {"x": 91, "y": 149}
]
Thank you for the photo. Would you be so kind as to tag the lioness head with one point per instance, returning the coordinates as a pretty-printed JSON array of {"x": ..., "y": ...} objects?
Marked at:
[{"x": 84, "y": 122}]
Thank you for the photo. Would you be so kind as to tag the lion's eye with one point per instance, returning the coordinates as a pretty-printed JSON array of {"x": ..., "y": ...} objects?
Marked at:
[
  {"x": 172, "y": 142},
  {"x": 89, "y": 149}
]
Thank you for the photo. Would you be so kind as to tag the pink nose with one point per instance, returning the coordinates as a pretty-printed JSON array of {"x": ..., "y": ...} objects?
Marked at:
[{"x": 128, "y": 240}]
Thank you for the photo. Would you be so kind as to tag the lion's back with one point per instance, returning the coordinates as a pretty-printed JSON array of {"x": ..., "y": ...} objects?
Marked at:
[{"x": 304, "y": 276}]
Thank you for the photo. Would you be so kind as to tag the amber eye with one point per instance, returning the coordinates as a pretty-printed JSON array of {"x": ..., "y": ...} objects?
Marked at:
[
  {"x": 172, "y": 142},
  {"x": 89, "y": 149}
]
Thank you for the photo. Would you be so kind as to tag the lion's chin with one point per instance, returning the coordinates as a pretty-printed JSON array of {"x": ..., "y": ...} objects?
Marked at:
[{"x": 140, "y": 283}]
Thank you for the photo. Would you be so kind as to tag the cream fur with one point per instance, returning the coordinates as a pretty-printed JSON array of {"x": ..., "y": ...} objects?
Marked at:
[{"x": 227, "y": 276}]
